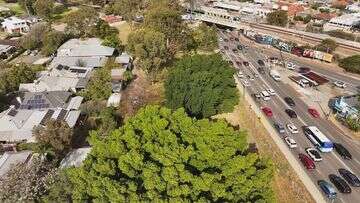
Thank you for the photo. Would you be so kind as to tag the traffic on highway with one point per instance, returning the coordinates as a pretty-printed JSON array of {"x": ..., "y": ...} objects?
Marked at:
[{"x": 330, "y": 157}]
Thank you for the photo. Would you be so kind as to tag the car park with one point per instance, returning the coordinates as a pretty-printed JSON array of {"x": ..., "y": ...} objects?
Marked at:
[
  {"x": 342, "y": 151},
  {"x": 279, "y": 127},
  {"x": 292, "y": 128},
  {"x": 307, "y": 161},
  {"x": 328, "y": 189},
  {"x": 351, "y": 178},
  {"x": 290, "y": 142},
  {"x": 313, "y": 154},
  {"x": 339, "y": 183},
  {"x": 291, "y": 113},
  {"x": 340, "y": 84},
  {"x": 267, "y": 111},
  {"x": 246, "y": 63},
  {"x": 314, "y": 113},
  {"x": 289, "y": 101},
  {"x": 240, "y": 74},
  {"x": 245, "y": 83},
  {"x": 271, "y": 91},
  {"x": 290, "y": 65}
]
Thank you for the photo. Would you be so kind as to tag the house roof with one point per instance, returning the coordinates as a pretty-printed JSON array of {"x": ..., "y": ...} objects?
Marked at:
[
  {"x": 70, "y": 71},
  {"x": 50, "y": 83},
  {"x": 40, "y": 100},
  {"x": 117, "y": 74},
  {"x": 9, "y": 159},
  {"x": 89, "y": 61},
  {"x": 75, "y": 157},
  {"x": 17, "y": 124},
  {"x": 84, "y": 48},
  {"x": 75, "y": 103}
]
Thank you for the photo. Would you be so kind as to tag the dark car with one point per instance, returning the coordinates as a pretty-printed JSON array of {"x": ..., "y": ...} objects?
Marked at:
[
  {"x": 246, "y": 63},
  {"x": 235, "y": 50},
  {"x": 236, "y": 39},
  {"x": 327, "y": 188},
  {"x": 289, "y": 101},
  {"x": 350, "y": 177},
  {"x": 261, "y": 70},
  {"x": 257, "y": 96},
  {"x": 340, "y": 183},
  {"x": 291, "y": 113},
  {"x": 238, "y": 63},
  {"x": 307, "y": 161},
  {"x": 261, "y": 62},
  {"x": 226, "y": 40},
  {"x": 342, "y": 151},
  {"x": 303, "y": 70},
  {"x": 230, "y": 62},
  {"x": 279, "y": 127},
  {"x": 239, "y": 47},
  {"x": 226, "y": 47}
]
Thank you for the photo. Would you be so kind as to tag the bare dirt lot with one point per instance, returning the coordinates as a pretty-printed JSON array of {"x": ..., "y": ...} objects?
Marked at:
[{"x": 139, "y": 93}]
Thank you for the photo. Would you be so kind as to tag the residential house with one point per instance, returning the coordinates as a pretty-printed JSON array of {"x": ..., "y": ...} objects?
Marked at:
[
  {"x": 125, "y": 60},
  {"x": 59, "y": 78},
  {"x": 346, "y": 22},
  {"x": 353, "y": 8},
  {"x": 16, "y": 125},
  {"x": 75, "y": 158},
  {"x": 294, "y": 9},
  {"x": 18, "y": 25},
  {"x": 10, "y": 159},
  {"x": 346, "y": 105},
  {"x": 83, "y": 52},
  {"x": 6, "y": 51}
]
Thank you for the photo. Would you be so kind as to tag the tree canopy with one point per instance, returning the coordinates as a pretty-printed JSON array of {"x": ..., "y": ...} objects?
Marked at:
[
  {"x": 13, "y": 75},
  {"x": 99, "y": 87},
  {"x": 159, "y": 155},
  {"x": 150, "y": 48},
  {"x": 205, "y": 37},
  {"x": 44, "y": 8},
  {"x": 327, "y": 45},
  {"x": 351, "y": 63},
  {"x": 80, "y": 22},
  {"x": 278, "y": 18},
  {"x": 51, "y": 42},
  {"x": 127, "y": 8},
  {"x": 202, "y": 84}
]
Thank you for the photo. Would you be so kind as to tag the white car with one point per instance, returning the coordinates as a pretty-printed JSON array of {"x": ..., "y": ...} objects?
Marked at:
[
  {"x": 240, "y": 74},
  {"x": 292, "y": 128},
  {"x": 245, "y": 83},
  {"x": 265, "y": 95},
  {"x": 290, "y": 142},
  {"x": 271, "y": 92},
  {"x": 340, "y": 84},
  {"x": 290, "y": 65},
  {"x": 221, "y": 39},
  {"x": 313, "y": 153}
]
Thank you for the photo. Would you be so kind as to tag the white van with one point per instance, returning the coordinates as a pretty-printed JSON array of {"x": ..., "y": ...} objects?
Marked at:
[{"x": 265, "y": 95}]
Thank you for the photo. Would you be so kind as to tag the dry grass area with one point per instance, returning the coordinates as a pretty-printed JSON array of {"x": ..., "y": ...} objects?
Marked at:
[
  {"x": 287, "y": 186},
  {"x": 124, "y": 30},
  {"x": 139, "y": 93}
]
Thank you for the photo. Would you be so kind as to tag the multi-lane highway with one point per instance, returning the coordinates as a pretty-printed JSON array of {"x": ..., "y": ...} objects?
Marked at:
[{"x": 331, "y": 161}]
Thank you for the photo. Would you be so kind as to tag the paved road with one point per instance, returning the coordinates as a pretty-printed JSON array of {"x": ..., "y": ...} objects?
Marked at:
[{"x": 331, "y": 161}]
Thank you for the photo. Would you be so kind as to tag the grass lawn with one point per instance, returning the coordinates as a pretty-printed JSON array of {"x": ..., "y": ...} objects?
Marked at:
[
  {"x": 15, "y": 7},
  {"x": 124, "y": 30}
]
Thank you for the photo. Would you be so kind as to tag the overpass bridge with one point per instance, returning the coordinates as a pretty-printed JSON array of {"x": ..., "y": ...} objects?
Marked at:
[{"x": 223, "y": 18}]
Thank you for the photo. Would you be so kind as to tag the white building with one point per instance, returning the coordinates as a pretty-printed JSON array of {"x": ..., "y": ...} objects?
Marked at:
[
  {"x": 355, "y": 8},
  {"x": 15, "y": 25},
  {"x": 345, "y": 22}
]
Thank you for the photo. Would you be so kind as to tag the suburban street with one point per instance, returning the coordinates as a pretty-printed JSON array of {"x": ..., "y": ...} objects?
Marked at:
[{"x": 331, "y": 161}]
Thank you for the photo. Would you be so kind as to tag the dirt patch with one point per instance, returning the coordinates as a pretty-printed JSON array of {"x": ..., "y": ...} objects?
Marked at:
[
  {"x": 287, "y": 186},
  {"x": 139, "y": 93},
  {"x": 124, "y": 30}
]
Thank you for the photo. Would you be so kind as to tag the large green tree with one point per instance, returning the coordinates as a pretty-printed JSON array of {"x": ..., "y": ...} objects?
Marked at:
[
  {"x": 278, "y": 18},
  {"x": 44, "y": 8},
  {"x": 128, "y": 9},
  {"x": 351, "y": 63},
  {"x": 150, "y": 48},
  {"x": 80, "y": 22},
  {"x": 327, "y": 45},
  {"x": 202, "y": 84},
  {"x": 33, "y": 39},
  {"x": 99, "y": 87},
  {"x": 51, "y": 42},
  {"x": 205, "y": 37},
  {"x": 13, "y": 75},
  {"x": 164, "y": 156}
]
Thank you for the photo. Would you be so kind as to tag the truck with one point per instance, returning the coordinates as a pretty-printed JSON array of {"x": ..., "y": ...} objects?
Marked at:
[{"x": 275, "y": 75}]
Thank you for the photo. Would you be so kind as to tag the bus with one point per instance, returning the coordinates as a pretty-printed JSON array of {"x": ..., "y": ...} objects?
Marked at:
[{"x": 318, "y": 139}]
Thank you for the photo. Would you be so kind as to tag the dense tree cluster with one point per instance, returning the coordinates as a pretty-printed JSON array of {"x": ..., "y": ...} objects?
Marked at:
[
  {"x": 160, "y": 155},
  {"x": 99, "y": 87},
  {"x": 202, "y": 84},
  {"x": 327, "y": 45},
  {"x": 278, "y": 18},
  {"x": 13, "y": 75},
  {"x": 351, "y": 63},
  {"x": 205, "y": 37}
]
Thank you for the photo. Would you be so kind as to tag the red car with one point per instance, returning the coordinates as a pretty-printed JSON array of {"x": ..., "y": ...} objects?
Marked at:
[
  {"x": 238, "y": 63},
  {"x": 314, "y": 112},
  {"x": 267, "y": 111},
  {"x": 307, "y": 161}
]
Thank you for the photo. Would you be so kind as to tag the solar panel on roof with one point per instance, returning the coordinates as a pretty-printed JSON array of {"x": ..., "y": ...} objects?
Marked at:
[
  {"x": 61, "y": 115},
  {"x": 47, "y": 116}
]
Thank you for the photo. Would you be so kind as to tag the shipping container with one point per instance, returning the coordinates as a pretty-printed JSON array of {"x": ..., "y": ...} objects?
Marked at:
[
  {"x": 318, "y": 55},
  {"x": 297, "y": 51},
  {"x": 327, "y": 57},
  {"x": 309, "y": 53}
]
